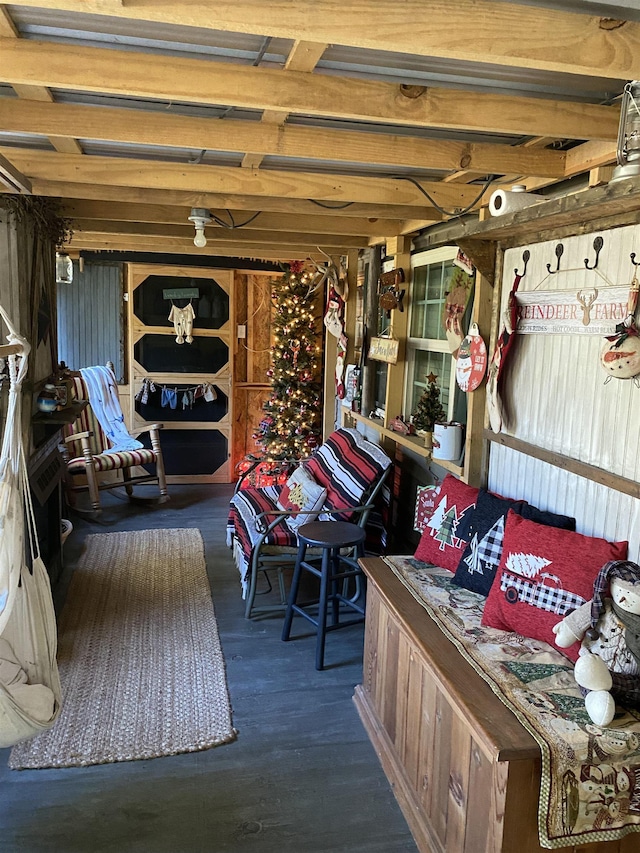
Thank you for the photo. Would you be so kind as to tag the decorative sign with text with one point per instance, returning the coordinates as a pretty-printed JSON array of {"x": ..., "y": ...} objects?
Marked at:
[
  {"x": 384, "y": 349},
  {"x": 589, "y": 311}
]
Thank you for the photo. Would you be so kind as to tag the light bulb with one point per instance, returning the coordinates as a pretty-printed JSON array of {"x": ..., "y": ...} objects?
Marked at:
[{"x": 200, "y": 217}]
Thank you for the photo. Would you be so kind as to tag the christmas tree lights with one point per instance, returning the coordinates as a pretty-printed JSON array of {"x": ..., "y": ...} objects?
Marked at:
[{"x": 291, "y": 426}]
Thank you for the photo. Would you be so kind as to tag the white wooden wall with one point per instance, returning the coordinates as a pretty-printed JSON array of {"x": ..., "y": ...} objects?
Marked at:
[{"x": 556, "y": 397}]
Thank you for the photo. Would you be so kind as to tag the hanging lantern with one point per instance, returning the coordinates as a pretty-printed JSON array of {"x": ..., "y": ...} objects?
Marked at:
[
  {"x": 64, "y": 268},
  {"x": 628, "y": 153}
]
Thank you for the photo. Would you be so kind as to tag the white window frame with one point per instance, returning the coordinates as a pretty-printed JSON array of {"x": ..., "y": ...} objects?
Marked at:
[{"x": 413, "y": 345}]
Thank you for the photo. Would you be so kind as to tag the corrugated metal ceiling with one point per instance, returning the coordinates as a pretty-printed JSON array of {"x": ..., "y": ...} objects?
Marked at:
[
  {"x": 103, "y": 31},
  {"x": 121, "y": 34}
]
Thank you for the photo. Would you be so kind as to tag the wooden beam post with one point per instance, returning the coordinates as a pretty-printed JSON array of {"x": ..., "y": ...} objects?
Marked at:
[{"x": 399, "y": 248}]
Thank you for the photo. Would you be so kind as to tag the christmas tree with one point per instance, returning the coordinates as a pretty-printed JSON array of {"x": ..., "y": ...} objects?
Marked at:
[
  {"x": 429, "y": 408},
  {"x": 446, "y": 535},
  {"x": 291, "y": 426}
]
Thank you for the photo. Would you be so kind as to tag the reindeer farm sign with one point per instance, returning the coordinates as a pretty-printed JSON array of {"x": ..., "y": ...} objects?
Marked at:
[{"x": 591, "y": 311}]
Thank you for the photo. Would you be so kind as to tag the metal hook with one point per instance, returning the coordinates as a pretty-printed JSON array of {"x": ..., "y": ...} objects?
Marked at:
[
  {"x": 525, "y": 257},
  {"x": 598, "y": 243},
  {"x": 633, "y": 259},
  {"x": 559, "y": 252}
]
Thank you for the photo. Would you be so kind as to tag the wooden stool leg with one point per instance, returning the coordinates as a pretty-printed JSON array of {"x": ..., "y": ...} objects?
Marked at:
[
  {"x": 322, "y": 607},
  {"x": 293, "y": 592}
]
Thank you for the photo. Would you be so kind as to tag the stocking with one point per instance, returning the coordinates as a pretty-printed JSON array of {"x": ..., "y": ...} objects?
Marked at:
[
  {"x": 495, "y": 374},
  {"x": 334, "y": 314}
]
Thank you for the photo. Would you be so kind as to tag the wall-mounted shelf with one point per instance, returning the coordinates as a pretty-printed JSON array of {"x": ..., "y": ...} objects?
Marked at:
[
  {"x": 65, "y": 416},
  {"x": 411, "y": 442},
  {"x": 587, "y": 210}
]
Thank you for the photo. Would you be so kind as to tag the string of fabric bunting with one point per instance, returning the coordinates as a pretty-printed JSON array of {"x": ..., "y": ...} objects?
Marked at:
[{"x": 170, "y": 395}]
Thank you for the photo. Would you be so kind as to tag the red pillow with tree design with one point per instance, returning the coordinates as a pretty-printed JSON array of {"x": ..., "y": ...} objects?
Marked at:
[
  {"x": 439, "y": 544},
  {"x": 544, "y": 572}
]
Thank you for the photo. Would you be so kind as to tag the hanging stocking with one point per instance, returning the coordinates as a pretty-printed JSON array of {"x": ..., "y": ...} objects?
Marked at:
[
  {"x": 495, "y": 374},
  {"x": 457, "y": 299},
  {"x": 342, "y": 352},
  {"x": 333, "y": 317}
]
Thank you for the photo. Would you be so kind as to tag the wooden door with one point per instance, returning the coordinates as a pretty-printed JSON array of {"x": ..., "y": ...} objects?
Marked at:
[
  {"x": 252, "y": 359},
  {"x": 172, "y": 379}
]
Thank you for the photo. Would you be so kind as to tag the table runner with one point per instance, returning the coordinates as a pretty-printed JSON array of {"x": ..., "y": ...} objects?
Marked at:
[{"x": 590, "y": 788}]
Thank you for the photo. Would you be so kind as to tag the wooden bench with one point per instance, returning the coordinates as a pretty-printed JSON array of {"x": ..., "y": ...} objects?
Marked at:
[{"x": 465, "y": 773}]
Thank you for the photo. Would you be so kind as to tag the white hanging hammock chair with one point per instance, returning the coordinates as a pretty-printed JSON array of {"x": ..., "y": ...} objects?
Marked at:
[{"x": 30, "y": 698}]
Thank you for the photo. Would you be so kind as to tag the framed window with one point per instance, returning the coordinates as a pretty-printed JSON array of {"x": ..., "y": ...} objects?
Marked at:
[{"x": 432, "y": 275}]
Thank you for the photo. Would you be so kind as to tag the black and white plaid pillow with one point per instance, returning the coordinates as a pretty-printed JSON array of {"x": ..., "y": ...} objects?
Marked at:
[{"x": 477, "y": 567}]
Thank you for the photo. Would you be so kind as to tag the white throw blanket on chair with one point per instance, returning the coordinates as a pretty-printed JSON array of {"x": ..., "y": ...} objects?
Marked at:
[{"x": 103, "y": 399}]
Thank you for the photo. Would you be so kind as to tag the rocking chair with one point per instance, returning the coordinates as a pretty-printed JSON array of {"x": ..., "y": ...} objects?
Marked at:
[{"x": 100, "y": 454}]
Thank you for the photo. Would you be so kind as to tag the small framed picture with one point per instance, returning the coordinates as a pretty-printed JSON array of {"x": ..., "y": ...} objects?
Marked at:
[{"x": 62, "y": 396}]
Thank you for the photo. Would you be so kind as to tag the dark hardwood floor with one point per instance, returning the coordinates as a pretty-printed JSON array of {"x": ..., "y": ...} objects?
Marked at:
[{"x": 302, "y": 776}]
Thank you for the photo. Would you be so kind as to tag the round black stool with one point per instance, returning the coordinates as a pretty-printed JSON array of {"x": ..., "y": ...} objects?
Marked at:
[{"x": 330, "y": 536}]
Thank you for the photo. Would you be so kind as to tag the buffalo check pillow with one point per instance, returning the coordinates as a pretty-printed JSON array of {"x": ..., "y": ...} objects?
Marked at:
[
  {"x": 301, "y": 494},
  {"x": 477, "y": 567},
  {"x": 543, "y": 574},
  {"x": 439, "y": 543}
]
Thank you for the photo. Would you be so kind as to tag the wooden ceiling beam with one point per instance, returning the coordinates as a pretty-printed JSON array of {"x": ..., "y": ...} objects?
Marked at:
[
  {"x": 177, "y": 79},
  {"x": 151, "y": 128},
  {"x": 478, "y": 30},
  {"x": 120, "y": 171},
  {"x": 589, "y": 155},
  {"x": 35, "y": 93},
  {"x": 12, "y": 180},
  {"x": 166, "y": 214},
  {"x": 184, "y": 198},
  {"x": 303, "y": 56},
  {"x": 237, "y": 235},
  {"x": 122, "y": 243}
]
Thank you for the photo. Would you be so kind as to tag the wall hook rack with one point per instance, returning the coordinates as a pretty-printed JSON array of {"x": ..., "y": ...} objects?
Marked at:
[
  {"x": 526, "y": 255},
  {"x": 598, "y": 243},
  {"x": 633, "y": 259},
  {"x": 559, "y": 250}
]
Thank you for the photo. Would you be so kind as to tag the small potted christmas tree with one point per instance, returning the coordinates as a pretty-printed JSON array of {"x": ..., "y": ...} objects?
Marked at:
[{"x": 429, "y": 410}]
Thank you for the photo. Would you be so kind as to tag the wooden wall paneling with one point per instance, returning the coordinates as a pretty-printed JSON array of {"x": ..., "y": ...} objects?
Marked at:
[
  {"x": 259, "y": 331},
  {"x": 402, "y": 697},
  {"x": 400, "y": 248},
  {"x": 520, "y": 781},
  {"x": 251, "y": 385},
  {"x": 429, "y": 731},
  {"x": 480, "y": 781},
  {"x": 240, "y": 298},
  {"x": 370, "y": 653},
  {"x": 459, "y": 771},
  {"x": 413, "y": 719},
  {"x": 389, "y": 687},
  {"x": 441, "y": 768}
]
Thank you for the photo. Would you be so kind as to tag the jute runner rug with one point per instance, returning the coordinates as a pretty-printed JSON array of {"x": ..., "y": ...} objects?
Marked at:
[{"x": 140, "y": 660}]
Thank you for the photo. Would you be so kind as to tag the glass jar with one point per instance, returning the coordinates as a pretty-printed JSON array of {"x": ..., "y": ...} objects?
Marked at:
[{"x": 47, "y": 399}]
